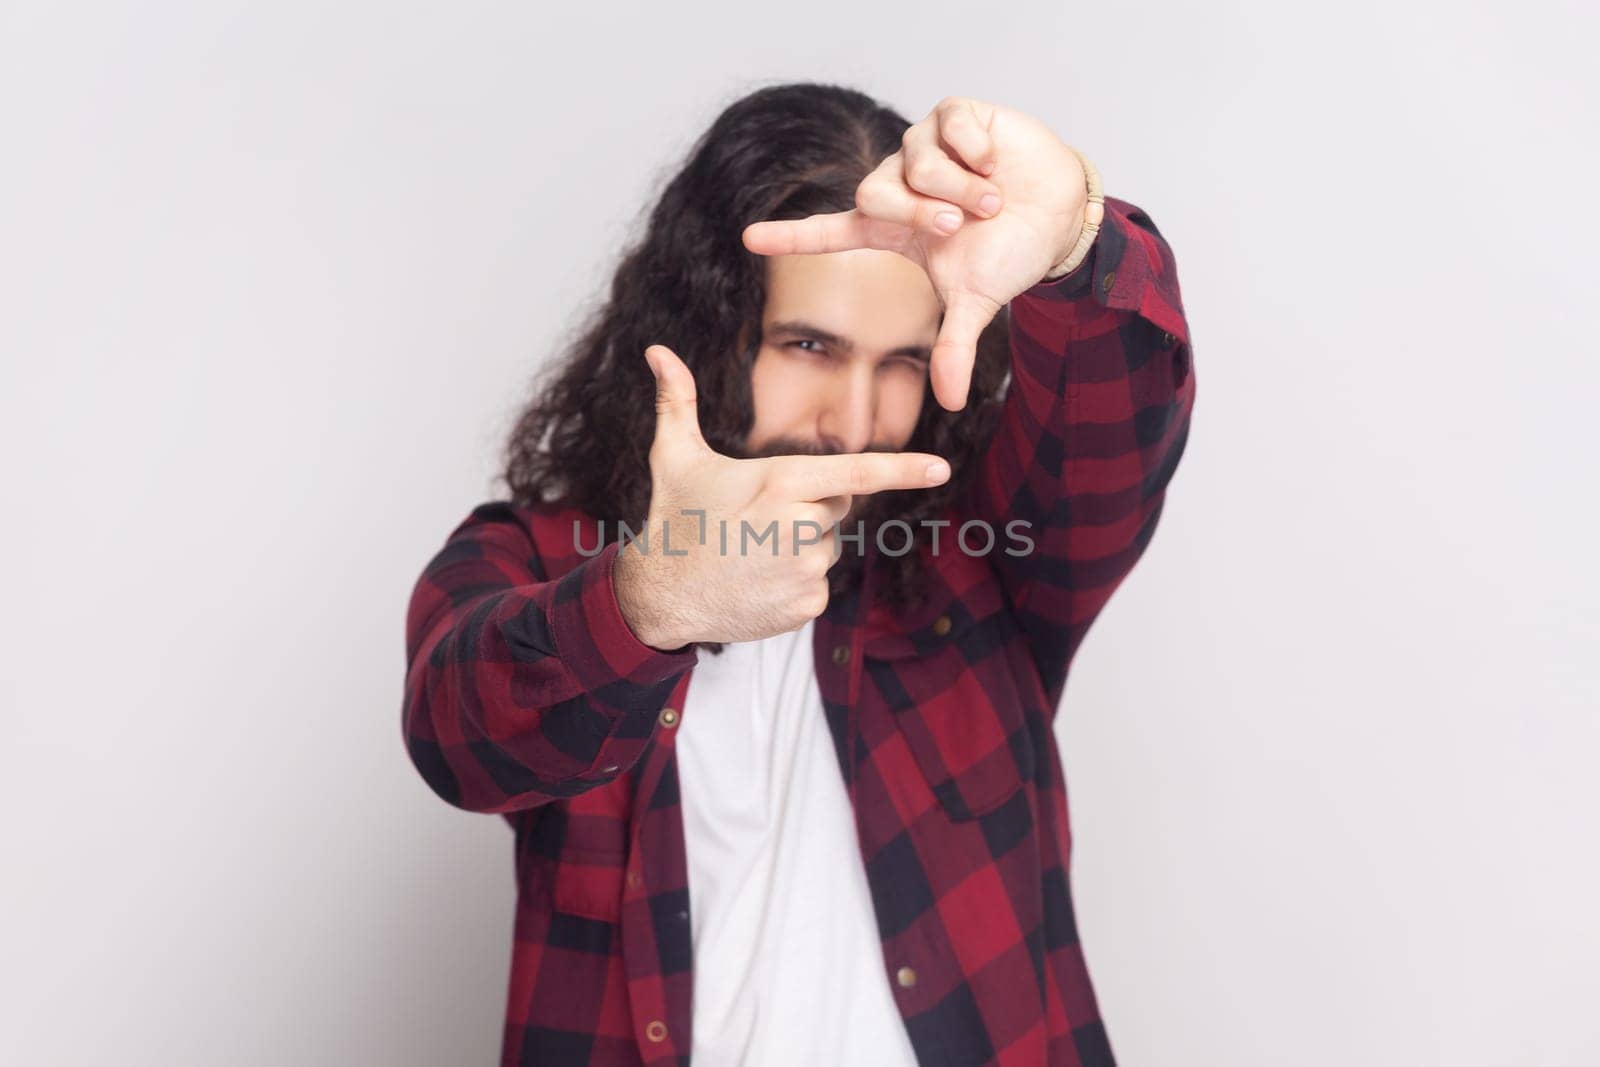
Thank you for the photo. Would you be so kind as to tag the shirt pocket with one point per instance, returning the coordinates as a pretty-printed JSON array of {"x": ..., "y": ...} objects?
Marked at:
[
  {"x": 951, "y": 688},
  {"x": 581, "y": 847}
]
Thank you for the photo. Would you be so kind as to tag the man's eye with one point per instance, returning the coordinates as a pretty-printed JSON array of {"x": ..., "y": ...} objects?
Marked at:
[
  {"x": 805, "y": 341},
  {"x": 908, "y": 363}
]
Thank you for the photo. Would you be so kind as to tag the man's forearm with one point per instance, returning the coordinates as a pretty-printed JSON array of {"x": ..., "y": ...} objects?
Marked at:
[
  {"x": 496, "y": 657},
  {"x": 1096, "y": 416}
]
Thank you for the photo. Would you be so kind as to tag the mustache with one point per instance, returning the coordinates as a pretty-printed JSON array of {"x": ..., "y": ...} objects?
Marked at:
[{"x": 795, "y": 446}]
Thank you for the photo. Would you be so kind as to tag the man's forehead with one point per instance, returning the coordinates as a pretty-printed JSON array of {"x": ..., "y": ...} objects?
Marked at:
[
  {"x": 871, "y": 267},
  {"x": 869, "y": 296}
]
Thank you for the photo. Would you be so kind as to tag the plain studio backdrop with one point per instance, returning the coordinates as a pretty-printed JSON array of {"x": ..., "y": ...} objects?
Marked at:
[{"x": 274, "y": 278}]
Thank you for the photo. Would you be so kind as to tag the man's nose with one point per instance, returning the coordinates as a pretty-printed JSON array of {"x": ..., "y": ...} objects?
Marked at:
[{"x": 847, "y": 421}]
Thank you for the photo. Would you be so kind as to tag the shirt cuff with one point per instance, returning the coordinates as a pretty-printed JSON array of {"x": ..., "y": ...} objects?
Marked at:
[{"x": 1128, "y": 267}]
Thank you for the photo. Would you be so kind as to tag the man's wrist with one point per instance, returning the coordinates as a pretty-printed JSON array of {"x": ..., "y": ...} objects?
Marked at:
[
  {"x": 634, "y": 590},
  {"x": 1090, "y": 216},
  {"x": 1083, "y": 242}
]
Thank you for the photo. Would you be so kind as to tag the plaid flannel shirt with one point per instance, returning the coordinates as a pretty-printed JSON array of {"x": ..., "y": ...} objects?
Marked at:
[{"x": 528, "y": 695}]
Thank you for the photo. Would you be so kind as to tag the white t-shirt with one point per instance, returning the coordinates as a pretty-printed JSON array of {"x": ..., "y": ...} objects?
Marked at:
[{"x": 788, "y": 967}]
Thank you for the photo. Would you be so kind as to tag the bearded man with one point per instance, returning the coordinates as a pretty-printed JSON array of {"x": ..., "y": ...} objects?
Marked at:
[{"x": 761, "y": 654}]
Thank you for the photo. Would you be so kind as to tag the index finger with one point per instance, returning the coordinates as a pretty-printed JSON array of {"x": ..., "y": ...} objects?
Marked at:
[
  {"x": 854, "y": 474},
  {"x": 838, "y": 231}
]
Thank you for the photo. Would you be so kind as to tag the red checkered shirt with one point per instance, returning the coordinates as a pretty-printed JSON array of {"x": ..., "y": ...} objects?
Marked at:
[{"x": 528, "y": 695}]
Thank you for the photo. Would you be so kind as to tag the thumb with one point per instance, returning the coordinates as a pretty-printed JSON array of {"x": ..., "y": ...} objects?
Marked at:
[
  {"x": 677, "y": 402},
  {"x": 950, "y": 366}
]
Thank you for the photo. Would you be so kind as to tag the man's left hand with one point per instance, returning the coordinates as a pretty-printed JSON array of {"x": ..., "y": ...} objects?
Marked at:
[{"x": 964, "y": 151}]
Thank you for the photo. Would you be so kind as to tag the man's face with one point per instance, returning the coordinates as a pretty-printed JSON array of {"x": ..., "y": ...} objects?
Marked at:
[{"x": 844, "y": 353}]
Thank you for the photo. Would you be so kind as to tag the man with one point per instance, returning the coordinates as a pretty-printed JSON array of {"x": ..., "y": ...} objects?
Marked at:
[{"x": 846, "y": 841}]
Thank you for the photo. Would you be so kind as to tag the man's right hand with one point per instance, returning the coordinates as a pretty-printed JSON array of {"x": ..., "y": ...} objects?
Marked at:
[{"x": 748, "y": 589}]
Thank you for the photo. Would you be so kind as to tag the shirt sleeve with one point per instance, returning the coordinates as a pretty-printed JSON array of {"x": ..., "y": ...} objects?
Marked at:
[
  {"x": 1091, "y": 430},
  {"x": 520, "y": 691}
]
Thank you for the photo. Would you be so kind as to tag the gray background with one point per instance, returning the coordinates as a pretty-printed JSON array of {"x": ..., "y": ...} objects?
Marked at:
[{"x": 274, "y": 277}]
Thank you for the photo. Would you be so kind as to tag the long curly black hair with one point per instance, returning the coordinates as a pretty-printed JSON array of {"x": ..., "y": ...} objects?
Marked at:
[{"x": 782, "y": 152}]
